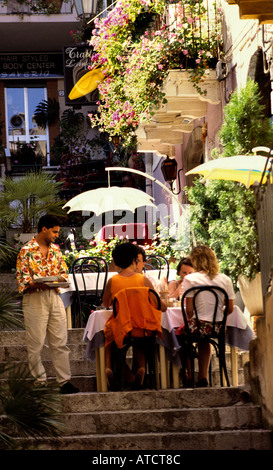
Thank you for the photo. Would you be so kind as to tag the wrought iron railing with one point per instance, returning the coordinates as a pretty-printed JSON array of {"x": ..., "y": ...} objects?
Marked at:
[{"x": 264, "y": 210}]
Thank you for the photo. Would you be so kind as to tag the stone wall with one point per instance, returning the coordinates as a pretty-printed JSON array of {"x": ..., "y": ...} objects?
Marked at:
[
  {"x": 8, "y": 281},
  {"x": 261, "y": 362}
]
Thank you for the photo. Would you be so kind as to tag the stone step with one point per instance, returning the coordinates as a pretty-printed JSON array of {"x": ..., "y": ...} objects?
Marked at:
[
  {"x": 152, "y": 399},
  {"x": 171, "y": 420},
  {"x": 19, "y": 352},
  {"x": 10, "y": 339},
  {"x": 17, "y": 337},
  {"x": 78, "y": 367},
  {"x": 84, "y": 383},
  {"x": 256, "y": 439},
  {"x": 158, "y": 420},
  {"x": 12, "y": 348},
  {"x": 162, "y": 420},
  {"x": 175, "y": 420}
]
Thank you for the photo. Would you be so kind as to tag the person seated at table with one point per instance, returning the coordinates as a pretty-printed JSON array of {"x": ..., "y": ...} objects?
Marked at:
[
  {"x": 206, "y": 272},
  {"x": 125, "y": 258},
  {"x": 140, "y": 265},
  {"x": 183, "y": 268}
]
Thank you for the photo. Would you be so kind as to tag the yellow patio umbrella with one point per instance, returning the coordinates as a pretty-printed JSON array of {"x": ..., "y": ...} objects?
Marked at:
[
  {"x": 246, "y": 169},
  {"x": 87, "y": 83}
]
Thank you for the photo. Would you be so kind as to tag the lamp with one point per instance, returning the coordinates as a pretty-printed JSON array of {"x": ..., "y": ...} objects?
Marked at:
[
  {"x": 116, "y": 140},
  {"x": 169, "y": 170},
  {"x": 86, "y": 8}
]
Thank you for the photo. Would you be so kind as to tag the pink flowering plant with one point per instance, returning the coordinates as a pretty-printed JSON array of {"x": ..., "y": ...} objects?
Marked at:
[
  {"x": 135, "y": 47},
  {"x": 162, "y": 244}
]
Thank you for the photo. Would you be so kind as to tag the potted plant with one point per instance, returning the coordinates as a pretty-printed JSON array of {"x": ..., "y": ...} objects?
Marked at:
[
  {"x": 23, "y": 201},
  {"x": 223, "y": 213},
  {"x": 47, "y": 112},
  {"x": 25, "y": 156},
  {"x": 72, "y": 138}
]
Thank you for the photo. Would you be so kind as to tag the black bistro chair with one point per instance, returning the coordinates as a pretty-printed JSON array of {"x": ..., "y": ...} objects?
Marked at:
[
  {"x": 189, "y": 340},
  {"x": 157, "y": 262},
  {"x": 147, "y": 342},
  {"x": 85, "y": 299}
]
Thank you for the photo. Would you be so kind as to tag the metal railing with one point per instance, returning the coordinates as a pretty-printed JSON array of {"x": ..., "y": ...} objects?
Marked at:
[{"x": 264, "y": 211}]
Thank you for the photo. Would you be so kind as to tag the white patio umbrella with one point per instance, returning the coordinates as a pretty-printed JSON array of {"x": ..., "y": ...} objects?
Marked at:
[
  {"x": 109, "y": 199},
  {"x": 246, "y": 169}
]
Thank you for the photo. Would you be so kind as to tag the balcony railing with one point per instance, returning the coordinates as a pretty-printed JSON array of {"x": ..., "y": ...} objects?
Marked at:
[
  {"x": 264, "y": 208},
  {"x": 35, "y": 7}
]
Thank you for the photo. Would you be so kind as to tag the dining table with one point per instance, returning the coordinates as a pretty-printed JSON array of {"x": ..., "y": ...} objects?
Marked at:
[
  {"x": 90, "y": 279},
  {"x": 238, "y": 336}
]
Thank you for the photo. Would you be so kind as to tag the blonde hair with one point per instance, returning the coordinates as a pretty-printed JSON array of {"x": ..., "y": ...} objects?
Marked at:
[{"x": 204, "y": 259}]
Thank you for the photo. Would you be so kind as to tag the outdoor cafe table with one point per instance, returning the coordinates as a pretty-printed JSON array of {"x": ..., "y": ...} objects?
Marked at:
[
  {"x": 90, "y": 281},
  {"x": 238, "y": 335}
]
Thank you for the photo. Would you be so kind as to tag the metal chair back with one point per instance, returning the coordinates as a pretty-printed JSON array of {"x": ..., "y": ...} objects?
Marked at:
[
  {"x": 216, "y": 336},
  {"x": 87, "y": 299},
  {"x": 157, "y": 262}
]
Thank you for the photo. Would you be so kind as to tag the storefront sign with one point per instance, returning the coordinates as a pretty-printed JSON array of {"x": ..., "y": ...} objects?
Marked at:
[
  {"x": 76, "y": 61},
  {"x": 31, "y": 65}
]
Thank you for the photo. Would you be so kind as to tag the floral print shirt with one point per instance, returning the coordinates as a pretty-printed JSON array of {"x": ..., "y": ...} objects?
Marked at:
[{"x": 32, "y": 263}]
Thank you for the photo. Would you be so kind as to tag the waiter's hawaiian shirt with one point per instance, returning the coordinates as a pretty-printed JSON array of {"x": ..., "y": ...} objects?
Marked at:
[{"x": 31, "y": 263}]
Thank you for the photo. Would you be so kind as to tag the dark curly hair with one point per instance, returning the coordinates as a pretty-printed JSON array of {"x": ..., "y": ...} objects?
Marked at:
[{"x": 124, "y": 254}]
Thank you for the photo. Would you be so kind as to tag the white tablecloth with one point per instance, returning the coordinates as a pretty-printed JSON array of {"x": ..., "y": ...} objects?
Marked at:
[
  {"x": 91, "y": 279},
  {"x": 239, "y": 334}
]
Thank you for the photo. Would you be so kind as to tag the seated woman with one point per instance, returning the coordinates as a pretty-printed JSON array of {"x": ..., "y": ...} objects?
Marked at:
[
  {"x": 125, "y": 258},
  {"x": 206, "y": 269},
  {"x": 184, "y": 268}
]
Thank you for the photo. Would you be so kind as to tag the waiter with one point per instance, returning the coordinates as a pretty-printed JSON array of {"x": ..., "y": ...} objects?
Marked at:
[{"x": 44, "y": 312}]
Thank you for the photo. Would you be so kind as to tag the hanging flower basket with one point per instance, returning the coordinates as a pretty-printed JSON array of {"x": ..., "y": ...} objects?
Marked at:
[{"x": 135, "y": 48}]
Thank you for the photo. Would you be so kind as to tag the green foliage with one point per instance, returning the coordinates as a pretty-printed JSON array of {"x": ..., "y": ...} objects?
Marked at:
[
  {"x": 34, "y": 410},
  {"x": 223, "y": 213},
  {"x": 162, "y": 244},
  {"x": 10, "y": 309},
  {"x": 24, "y": 201},
  {"x": 244, "y": 124},
  {"x": 46, "y": 112},
  {"x": 72, "y": 137}
]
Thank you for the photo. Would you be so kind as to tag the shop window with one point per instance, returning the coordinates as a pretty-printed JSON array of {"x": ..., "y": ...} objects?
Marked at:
[{"x": 27, "y": 142}]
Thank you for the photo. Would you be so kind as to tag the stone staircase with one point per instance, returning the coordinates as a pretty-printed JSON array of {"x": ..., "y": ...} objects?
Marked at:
[{"x": 157, "y": 420}]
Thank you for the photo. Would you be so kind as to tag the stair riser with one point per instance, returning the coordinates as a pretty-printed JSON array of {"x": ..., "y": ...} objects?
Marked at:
[
  {"x": 154, "y": 421},
  {"x": 169, "y": 420},
  {"x": 77, "y": 368},
  {"x": 219, "y": 440},
  {"x": 19, "y": 353},
  {"x": 18, "y": 337},
  {"x": 150, "y": 400}
]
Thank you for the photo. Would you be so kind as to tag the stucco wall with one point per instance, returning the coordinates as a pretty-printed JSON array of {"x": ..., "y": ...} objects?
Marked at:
[{"x": 261, "y": 364}]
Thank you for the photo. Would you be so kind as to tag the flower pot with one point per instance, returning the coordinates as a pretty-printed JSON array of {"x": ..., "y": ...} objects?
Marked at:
[
  {"x": 22, "y": 238},
  {"x": 251, "y": 292}
]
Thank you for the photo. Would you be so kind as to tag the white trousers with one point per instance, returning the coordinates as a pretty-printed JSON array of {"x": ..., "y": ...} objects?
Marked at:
[{"x": 45, "y": 318}]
